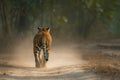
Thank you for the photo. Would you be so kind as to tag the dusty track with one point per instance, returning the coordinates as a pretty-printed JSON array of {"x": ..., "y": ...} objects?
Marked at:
[{"x": 66, "y": 63}]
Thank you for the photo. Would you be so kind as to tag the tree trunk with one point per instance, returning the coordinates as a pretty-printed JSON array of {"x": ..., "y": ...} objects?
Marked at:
[
  {"x": 5, "y": 27},
  {"x": 91, "y": 15},
  {"x": 42, "y": 12}
]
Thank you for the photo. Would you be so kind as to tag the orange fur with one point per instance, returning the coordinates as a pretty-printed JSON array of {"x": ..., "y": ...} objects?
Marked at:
[
  {"x": 42, "y": 37},
  {"x": 42, "y": 40}
]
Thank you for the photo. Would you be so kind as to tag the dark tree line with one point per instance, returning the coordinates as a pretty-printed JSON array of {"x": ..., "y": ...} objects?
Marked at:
[{"x": 72, "y": 17}]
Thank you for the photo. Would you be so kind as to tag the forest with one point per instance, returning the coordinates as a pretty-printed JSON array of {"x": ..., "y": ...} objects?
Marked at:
[{"x": 86, "y": 18}]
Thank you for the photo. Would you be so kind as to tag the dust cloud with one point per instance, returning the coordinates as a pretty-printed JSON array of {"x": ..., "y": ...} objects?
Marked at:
[{"x": 61, "y": 55}]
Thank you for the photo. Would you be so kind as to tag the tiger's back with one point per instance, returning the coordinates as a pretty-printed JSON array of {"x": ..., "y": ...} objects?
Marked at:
[{"x": 43, "y": 37}]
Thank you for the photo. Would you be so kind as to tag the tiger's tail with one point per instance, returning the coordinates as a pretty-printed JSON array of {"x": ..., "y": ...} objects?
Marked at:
[{"x": 44, "y": 47}]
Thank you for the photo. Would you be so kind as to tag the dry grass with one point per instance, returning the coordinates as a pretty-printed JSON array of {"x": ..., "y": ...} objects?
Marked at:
[
  {"x": 106, "y": 66},
  {"x": 101, "y": 63}
]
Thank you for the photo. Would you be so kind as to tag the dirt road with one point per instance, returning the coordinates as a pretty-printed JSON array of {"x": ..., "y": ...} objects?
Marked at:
[
  {"x": 61, "y": 73},
  {"x": 66, "y": 63}
]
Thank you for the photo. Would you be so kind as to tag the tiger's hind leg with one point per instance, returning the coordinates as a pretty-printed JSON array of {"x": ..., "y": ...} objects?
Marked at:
[
  {"x": 37, "y": 63},
  {"x": 37, "y": 58}
]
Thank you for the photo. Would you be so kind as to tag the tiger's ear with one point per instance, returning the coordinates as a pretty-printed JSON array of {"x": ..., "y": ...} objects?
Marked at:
[{"x": 48, "y": 29}]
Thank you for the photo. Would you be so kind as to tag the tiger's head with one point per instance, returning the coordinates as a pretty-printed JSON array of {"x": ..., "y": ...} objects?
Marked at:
[{"x": 43, "y": 29}]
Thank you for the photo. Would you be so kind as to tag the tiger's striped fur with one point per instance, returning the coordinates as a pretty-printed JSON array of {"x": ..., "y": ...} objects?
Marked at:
[{"x": 41, "y": 40}]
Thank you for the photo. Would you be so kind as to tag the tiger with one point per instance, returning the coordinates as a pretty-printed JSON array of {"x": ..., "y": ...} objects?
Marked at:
[{"x": 42, "y": 39}]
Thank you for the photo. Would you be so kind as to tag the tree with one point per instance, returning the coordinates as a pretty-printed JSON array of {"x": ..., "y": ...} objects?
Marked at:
[{"x": 5, "y": 27}]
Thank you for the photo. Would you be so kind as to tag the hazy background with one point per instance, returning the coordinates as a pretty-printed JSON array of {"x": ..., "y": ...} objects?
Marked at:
[{"x": 70, "y": 21}]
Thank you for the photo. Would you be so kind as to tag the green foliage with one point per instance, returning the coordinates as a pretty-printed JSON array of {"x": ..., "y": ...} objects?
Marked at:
[{"x": 63, "y": 15}]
